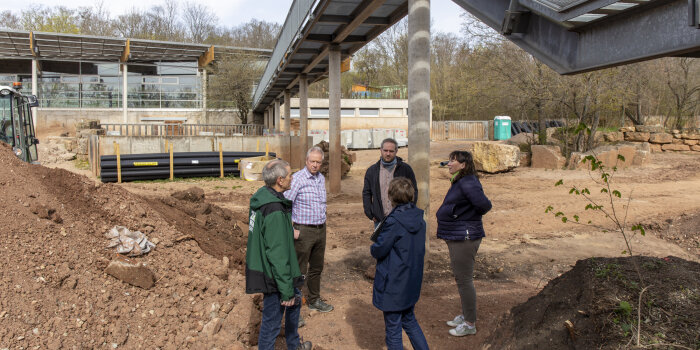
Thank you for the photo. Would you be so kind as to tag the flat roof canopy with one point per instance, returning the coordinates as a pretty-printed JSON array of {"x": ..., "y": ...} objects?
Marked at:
[
  {"x": 570, "y": 36},
  {"x": 58, "y": 46}
]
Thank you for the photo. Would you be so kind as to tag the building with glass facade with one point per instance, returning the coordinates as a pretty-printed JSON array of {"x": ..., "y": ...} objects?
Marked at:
[{"x": 115, "y": 80}]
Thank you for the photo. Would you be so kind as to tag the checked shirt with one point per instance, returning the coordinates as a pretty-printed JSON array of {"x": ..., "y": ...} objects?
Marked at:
[{"x": 308, "y": 194}]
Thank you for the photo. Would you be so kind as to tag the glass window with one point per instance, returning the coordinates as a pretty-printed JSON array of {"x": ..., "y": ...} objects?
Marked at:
[
  {"x": 369, "y": 112},
  {"x": 294, "y": 112},
  {"x": 347, "y": 112},
  {"x": 392, "y": 111},
  {"x": 318, "y": 113}
]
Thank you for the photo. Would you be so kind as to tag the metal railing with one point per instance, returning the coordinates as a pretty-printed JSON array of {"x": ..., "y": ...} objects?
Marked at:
[
  {"x": 298, "y": 14},
  {"x": 178, "y": 129}
]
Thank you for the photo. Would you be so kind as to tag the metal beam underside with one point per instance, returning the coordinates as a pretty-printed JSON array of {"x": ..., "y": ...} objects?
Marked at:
[
  {"x": 308, "y": 33},
  {"x": 645, "y": 33}
]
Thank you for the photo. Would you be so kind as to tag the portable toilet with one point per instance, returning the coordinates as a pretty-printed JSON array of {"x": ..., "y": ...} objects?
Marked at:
[{"x": 501, "y": 127}]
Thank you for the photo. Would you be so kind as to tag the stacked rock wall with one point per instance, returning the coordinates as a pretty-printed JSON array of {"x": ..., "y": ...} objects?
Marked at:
[{"x": 659, "y": 140}]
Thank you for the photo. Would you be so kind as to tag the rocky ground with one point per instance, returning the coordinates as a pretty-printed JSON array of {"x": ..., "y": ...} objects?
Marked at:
[{"x": 57, "y": 294}]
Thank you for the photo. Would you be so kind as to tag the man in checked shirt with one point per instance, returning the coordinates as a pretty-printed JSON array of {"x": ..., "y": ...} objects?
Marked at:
[{"x": 308, "y": 196}]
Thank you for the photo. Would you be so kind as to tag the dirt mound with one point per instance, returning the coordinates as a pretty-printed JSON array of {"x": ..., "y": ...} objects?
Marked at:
[
  {"x": 599, "y": 296},
  {"x": 683, "y": 230},
  {"x": 53, "y": 256}
]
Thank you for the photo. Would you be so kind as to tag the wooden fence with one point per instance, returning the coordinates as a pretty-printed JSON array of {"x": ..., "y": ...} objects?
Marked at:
[{"x": 459, "y": 130}]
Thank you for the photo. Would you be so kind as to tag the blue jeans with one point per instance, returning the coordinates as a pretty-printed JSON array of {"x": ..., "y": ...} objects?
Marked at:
[
  {"x": 406, "y": 319},
  {"x": 272, "y": 322}
]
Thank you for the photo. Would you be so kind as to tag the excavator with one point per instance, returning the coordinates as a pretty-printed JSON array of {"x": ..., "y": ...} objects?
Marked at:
[{"x": 16, "y": 124}]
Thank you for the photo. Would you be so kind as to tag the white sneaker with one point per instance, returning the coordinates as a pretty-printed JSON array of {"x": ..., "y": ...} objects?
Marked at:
[
  {"x": 456, "y": 322},
  {"x": 462, "y": 330}
]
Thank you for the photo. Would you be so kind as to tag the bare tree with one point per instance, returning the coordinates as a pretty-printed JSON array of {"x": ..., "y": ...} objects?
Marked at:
[
  {"x": 164, "y": 21},
  {"x": 96, "y": 20},
  {"x": 683, "y": 83},
  {"x": 9, "y": 20},
  {"x": 133, "y": 24},
  {"x": 199, "y": 21},
  {"x": 232, "y": 82}
]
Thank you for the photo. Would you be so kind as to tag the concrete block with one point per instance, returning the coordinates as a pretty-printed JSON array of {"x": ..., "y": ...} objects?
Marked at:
[
  {"x": 204, "y": 144},
  {"x": 674, "y": 147},
  {"x": 660, "y": 138},
  {"x": 142, "y": 144},
  {"x": 547, "y": 157},
  {"x": 637, "y": 136}
]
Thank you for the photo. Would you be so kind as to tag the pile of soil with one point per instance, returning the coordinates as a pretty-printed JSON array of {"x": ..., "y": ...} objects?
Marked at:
[
  {"x": 57, "y": 295},
  {"x": 347, "y": 158},
  {"x": 600, "y": 299},
  {"x": 683, "y": 230}
]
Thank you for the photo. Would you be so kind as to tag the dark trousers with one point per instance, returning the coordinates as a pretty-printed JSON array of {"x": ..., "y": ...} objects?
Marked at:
[
  {"x": 406, "y": 320},
  {"x": 462, "y": 255},
  {"x": 311, "y": 250},
  {"x": 272, "y": 322}
]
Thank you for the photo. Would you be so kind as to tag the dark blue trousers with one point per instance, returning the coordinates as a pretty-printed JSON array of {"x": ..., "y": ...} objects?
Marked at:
[
  {"x": 406, "y": 320},
  {"x": 272, "y": 322}
]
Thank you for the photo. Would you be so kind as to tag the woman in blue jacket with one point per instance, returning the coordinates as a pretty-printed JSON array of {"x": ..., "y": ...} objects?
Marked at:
[
  {"x": 459, "y": 224},
  {"x": 399, "y": 250}
]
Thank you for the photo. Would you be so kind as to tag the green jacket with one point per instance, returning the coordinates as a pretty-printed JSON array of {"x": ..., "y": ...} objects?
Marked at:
[{"x": 271, "y": 262}]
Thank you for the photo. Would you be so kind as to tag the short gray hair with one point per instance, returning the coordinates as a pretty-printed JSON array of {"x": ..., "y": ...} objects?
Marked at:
[
  {"x": 390, "y": 140},
  {"x": 315, "y": 149},
  {"x": 273, "y": 171}
]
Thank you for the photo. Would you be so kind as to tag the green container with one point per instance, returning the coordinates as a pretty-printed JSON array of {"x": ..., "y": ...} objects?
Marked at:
[{"x": 501, "y": 127}]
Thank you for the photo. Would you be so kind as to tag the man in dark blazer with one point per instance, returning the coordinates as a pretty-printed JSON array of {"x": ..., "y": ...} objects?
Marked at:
[{"x": 375, "y": 197}]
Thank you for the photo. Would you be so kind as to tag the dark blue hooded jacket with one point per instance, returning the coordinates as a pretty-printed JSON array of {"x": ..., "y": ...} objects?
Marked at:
[
  {"x": 399, "y": 250},
  {"x": 459, "y": 216}
]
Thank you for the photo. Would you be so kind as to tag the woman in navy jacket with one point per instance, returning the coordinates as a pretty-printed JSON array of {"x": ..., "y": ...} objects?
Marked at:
[
  {"x": 459, "y": 224},
  {"x": 399, "y": 250}
]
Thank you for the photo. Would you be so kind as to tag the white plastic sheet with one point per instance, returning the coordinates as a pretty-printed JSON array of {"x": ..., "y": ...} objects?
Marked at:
[{"x": 131, "y": 243}]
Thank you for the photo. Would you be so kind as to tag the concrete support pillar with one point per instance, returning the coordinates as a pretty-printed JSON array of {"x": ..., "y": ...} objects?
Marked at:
[
  {"x": 204, "y": 96},
  {"x": 287, "y": 112},
  {"x": 277, "y": 115},
  {"x": 35, "y": 87},
  {"x": 266, "y": 119},
  {"x": 419, "y": 101},
  {"x": 334, "y": 166},
  {"x": 304, "y": 114},
  {"x": 125, "y": 92}
]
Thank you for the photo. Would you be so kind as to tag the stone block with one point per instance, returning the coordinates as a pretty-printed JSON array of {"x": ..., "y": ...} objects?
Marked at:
[
  {"x": 547, "y": 157},
  {"x": 690, "y": 136},
  {"x": 212, "y": 327},
  {"x": 691, "y": 142},
  {"x": 655, "y": 148},
  {"x": 660, "y": 138},
  {"x": 674, "y": 147},
  {"x": 695, "y": 148},
  {"x": 677, "y": 141},
  {"x": 628, "y": 152},
  {"x": 82, "y": 146},
  {"x": 628, "y": 129},
  {"x": 615, "y": 136},
  {"x": 649, "y": 128},
  {"x": 640, "y": 158},
  {"x": 495, "y": 157},
  {"x": 644, "y": 146},
  {"x": 131, "y": 272},
  {"x": 637, "y": 136}
]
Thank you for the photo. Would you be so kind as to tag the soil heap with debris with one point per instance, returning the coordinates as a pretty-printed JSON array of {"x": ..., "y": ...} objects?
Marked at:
[
  {"x": 595, "y": 306},
  {"x": 347, "y": 158},
  {"x": 56, "y": 294}
]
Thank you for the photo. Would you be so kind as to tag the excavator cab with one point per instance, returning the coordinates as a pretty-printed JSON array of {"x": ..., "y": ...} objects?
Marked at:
[{"x": 16, "y": 124}]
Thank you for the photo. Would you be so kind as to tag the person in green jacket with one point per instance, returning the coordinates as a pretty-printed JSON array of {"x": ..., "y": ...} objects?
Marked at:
[{"x": 271, "y": 262}]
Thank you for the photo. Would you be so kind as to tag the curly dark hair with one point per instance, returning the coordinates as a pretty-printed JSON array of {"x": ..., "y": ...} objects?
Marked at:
[{"x": 465, "y": 158}]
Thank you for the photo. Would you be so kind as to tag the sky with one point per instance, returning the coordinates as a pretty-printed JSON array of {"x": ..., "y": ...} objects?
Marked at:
[{"x": 444, "y": 13}]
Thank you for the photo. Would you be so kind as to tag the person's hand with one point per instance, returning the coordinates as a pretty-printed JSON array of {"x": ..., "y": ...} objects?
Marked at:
[
  {"x": 296, "y": 234},
  {"x": 289, "y": 302}
]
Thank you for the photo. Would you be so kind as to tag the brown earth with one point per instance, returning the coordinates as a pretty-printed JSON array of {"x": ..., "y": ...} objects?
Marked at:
[{"x": 56, "y": 293}]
